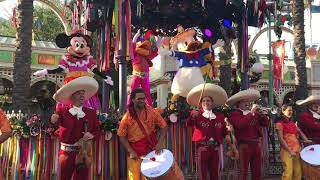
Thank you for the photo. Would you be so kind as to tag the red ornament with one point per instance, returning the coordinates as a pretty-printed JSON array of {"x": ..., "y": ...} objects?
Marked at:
[
  {"x": 153, "y": 159},
  {"x": 283, "y": 19},
  {"x": 311, "y": 52}
]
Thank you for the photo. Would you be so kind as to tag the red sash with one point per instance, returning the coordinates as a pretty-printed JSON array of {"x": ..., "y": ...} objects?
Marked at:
[
  {"x": 143, "y": 146},
  {"x": 146, "y": 144}
]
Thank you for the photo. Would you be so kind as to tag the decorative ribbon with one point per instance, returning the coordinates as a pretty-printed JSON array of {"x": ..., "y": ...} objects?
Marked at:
[
  {"x": 129, "y": 49},
  {"x": 38, "y": 156}
]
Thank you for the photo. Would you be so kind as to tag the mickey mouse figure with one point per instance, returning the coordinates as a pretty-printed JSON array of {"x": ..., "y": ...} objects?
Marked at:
[{"x": 77, "y": 62}]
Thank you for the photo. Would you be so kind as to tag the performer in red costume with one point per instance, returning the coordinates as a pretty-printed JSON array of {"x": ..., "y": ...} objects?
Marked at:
[
  {"x": 209, "y": 127},
  {"x": 78, "y": 125},
  {"x": 247, "y": 121},
  {"x": 310, "y": 119}
]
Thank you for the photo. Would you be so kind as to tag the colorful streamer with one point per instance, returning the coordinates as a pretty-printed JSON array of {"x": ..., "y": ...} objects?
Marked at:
[{"x": 39, "y": 156}]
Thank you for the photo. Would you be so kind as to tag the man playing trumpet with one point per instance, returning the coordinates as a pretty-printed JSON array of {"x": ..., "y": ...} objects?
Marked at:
[{"x": 247, "y": 121}]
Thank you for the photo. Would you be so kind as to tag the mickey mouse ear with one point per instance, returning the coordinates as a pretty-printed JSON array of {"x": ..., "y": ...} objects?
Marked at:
[{"x": 63, "y": 40}]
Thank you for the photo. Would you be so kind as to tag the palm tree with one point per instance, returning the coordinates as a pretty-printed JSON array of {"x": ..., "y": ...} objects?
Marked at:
[
  {"x": 225, "y": 68},
  {"x": 299, "y": 48},
  {"x": 225, "y": 55},
  {"x": 22, "y": 62}
]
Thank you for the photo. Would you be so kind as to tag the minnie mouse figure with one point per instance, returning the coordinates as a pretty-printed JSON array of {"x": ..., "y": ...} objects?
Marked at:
[{"x": 76, "y": 63}]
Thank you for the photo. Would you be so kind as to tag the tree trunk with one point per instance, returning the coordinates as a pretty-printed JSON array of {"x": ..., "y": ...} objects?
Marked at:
[
  {"x": 22, "y": 62},
  {"x": 225, "y": 68},
  {"x": 299, "y": 49}
]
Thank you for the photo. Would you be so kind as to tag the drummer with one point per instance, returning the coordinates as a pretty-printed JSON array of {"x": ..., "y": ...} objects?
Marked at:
[
  {"x": 288, "y": 133},
  {"x": 310, "y": 119},
  {"x": 209, "y": 127},
  {"x": 247, "y": 121},
  {"x": 138, "y": 132}
]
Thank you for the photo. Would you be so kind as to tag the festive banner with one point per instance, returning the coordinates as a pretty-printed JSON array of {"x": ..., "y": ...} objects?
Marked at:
[{"x": 278, "y": 54}]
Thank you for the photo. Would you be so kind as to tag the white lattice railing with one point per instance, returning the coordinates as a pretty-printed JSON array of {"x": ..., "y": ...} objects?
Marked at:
[
  {"x": 285, "y": 89},
  {"x": 55, "y": 78}
]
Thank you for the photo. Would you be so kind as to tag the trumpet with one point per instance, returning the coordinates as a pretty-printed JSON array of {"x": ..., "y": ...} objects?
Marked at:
[{"x": 267, "y": 110}]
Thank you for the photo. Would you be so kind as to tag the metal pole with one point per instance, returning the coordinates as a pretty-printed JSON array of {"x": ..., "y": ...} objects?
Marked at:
[
  {"x": 244, "y": 28},
  {"x": 122, "y": 63},
  {"x": 270, "y": 62},
  {"x": 102, "y": 57}
]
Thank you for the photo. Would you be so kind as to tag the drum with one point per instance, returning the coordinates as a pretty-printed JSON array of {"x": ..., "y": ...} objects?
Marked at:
[
  {"x": 161, "y": 167},
  {"x": 310, "y": 156}
]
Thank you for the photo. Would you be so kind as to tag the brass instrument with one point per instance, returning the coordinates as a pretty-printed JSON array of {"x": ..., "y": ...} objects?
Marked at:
[{"x": 267, "y": 110}]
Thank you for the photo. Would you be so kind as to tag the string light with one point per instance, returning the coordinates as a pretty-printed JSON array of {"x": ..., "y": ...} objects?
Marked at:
[{"x": 208, "y": 32}]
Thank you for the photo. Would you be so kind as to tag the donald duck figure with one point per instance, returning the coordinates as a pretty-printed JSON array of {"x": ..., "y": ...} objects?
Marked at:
[{"x": 191, "y": 56}]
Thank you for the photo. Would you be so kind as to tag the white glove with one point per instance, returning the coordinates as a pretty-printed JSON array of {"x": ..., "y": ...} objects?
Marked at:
[
  {"x": 42, "y": 72},
  {"x": 109, "y": 81},
  {"x": 136, "y": 36},
  {"x": 219, "y": 43},
  {"x": 164, "y": 52}
]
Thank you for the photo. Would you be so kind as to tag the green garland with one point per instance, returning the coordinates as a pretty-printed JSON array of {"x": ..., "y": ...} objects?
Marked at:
[
  {"x": 29, "y": 125},
  {"x": 110, "y": 120},
  {"x": 281, "y": 19}
]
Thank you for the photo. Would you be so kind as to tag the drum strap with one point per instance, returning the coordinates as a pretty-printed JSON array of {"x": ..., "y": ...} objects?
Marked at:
[{"x": 143, "y": 129}]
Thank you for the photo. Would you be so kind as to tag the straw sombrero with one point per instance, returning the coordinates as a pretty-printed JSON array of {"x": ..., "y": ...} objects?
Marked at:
[
  {"x": 217, "y": 93},
  {"x": 249, "y": 95},
  {"x": 310, "y": 100},
  {"x": 86, "y": 83}
]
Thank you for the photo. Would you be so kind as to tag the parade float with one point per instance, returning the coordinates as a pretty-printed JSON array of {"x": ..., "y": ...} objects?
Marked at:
[{"x": 33, "y": 149}]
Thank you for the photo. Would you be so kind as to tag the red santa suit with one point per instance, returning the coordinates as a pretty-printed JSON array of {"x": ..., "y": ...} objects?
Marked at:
[
  {"x": 310, "y": 125},
  {"x": 247, "y": 127},
  {"x": 209, "y": 132},
  {"x": 72, "y": 121}
]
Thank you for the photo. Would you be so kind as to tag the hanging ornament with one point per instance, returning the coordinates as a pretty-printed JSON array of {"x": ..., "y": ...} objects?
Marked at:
[
  {"x": 34, "y": 130},
  {"x": 283, "y": 19},
  {"x": 173, "y": 118},
  {"x": 311, "y": 52},
  {"x": 257, "y": 68}
]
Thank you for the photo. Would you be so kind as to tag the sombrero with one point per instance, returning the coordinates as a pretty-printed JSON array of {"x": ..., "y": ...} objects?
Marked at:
[
  {"x": 217, "y": 93},
  {"x": 310, "y": 100},
  {"x": 86, "y": 83},
  {"x": 249, "y": 95}
]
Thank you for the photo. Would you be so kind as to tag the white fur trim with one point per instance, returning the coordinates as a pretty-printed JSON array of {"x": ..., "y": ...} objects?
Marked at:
[
  {"x": 94, "y": 66},
  {"x": 185, "y": 79},
  {"x": 84, "y": 62},
  {"x": 210, "y": 49}
]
